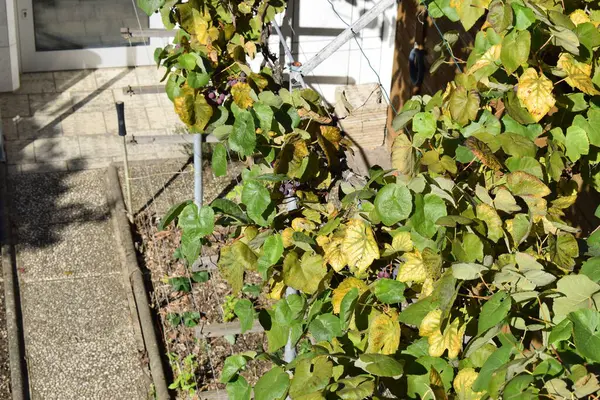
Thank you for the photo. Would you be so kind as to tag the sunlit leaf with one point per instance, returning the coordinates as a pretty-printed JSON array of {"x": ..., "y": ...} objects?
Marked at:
[
  {"x": 578, "y": 73},
  {"x": 384, "y": 334},
  {"x": 359, "y": 245},
  {"x": 343, "y": 288},
  {"x": 535, "y": 92}
]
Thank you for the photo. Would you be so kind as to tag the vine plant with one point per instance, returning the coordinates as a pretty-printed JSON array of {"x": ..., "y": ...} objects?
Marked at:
[{"x": 462, "y": 272}]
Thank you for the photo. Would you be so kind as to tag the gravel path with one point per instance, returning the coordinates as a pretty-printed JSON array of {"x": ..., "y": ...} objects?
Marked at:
[{"x": 4, "y": 366}]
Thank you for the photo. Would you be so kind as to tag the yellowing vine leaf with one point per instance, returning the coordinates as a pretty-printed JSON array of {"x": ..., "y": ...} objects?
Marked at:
[
  {"x": 578, "y": 73},
  {"x": 384, "y": 334},
  {"x": 431, "y": 323},
  {"x": 463, "y": 383},
  {"x": 359, "y": 245},
  {"x": 403, "y": 155},
  {"x": 579, "y": 17},
  {"x": 286, "y": 235},
  {"x": 303, "y": 224},
  {"x": 489, "y": 215},
  {"x": 483, "y": 153},
  {"x": 343, "y": 289},
  {"x": 490, "y": 57},
  {"x": 241, "y": 95},
  {"x": 334, "y": 255},
  {"x": 535, "y": 92},
  {"x": 451, "y": 339},
  {"x": 413, "y": 269}
]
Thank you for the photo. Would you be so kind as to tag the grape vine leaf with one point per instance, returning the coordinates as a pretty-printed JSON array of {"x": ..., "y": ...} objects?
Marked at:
[
  {"x": 384, "y": 334},
  {"x": 234, "y": 259},
  {"x": 257, "y": 199},
  {"x": 493, "y": 311},
  {"x": 393, "y": 203},
  {"x": 311, "y": 376},
  {"x": 578, "y": 73},
  {"x": 359, "y": 245},
  {"x": 535, "y": 92},
  {"x": 273, "y": 385},
  {"x": 304, "y": 274},
  {"x": 340, "y": 292}
]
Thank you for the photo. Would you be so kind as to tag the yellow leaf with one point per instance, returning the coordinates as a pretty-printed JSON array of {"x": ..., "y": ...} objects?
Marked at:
[
  {"x": 276, "y": 289},
  {"x": 578, "y": 73},
  {"x": 489, "y": 215},
  {"x": 535, "y": 92},
  {"x": 343, "y": 289},
  {"x": 332, "y": 134},
  {"x": 359, "y": 245},
  {"x": 286, "y": 235},
  {"x": 579, "y": 17},
  {"x": 413, "y": 269},
  {"x": 302, "y": 224},
  {"x": 488, "y": 58},
  {"x": 437, "y": 344},
  {"x": 384, "y": 334},
  {"x": 184, "y": 105},
  {"x": 241, "y": 95},
  {"x": 431, "y": 323},
  {"x": 463, "y": 382},
  {"x": 453, "y": 336},
  {"x": 403, "y": 155},
  {"x": 427, "y": 287},
  {"x": 322, "y": 240},
  {"x": 334, "y": 255}
]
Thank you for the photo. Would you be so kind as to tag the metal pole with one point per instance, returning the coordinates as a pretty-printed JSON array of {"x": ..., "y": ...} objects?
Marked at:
[
  {"x": 123, "y": 132},
  {"x": 289, "y": 352},
  {"x": 198, "y": 169},
  {"x": 342, "y": 38},
  {"x": 294, "y": 74}
]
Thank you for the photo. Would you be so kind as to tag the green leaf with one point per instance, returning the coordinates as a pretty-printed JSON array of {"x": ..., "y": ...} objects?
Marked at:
[
  {"x": 180, "y": 284},
  {"x": 495, "y": 361},
  {"x": 271, "y": 252},
  {"x": 500, "y": 15},
  {"x": 304, "y": 274},
  {"x": 415, "y": 312},
  {"x": 579, "y": 292},
  {"x": 515, "y": 49},
  {"x": 524, "y": 16},
  {"x": 230, "y": 208},
  {"x": 243, "y": 136},
  {"x": 493, "y": 311},
  {"x": 347, "y": 307},
  {"x": 273, "y": 385},
  {"x": 150, "y": 6},
  {"x": 526, "y": 164},
  {"x": 311, "y": 376},
  {"x": 492, "y": 220},
  {"x": 523, "y": 184},
  {"x": 239, "y": 389},
  {"x": 561, "y": 332},
  {"x": 265, "y": 114},
  {"x": 403, "y": 118},
  {"x": 197, "y": 80},
  {"x": 325, "y": 327},
  {"x": 468, "y": 271},
  {"x": 356, "y": 388},
  {"x": 563, "y": 250},
  {"x": 519, "y": 388},
  {"x": 232, "y": 365},
  {"x": 200, "y": 276},
  {"x": 586, "y": 333},
  {"x": 380, "y": 365},
  {"x": 464, "y": 105},
  {"x": 389, "y": 291},
  {"x": 173, "y": 213},
  {"x": 594, "y": 124},
  {"x": 393, "y": 203},
  {"x": 591, "y": 268},
  {"x": 219, "y": 160},
  {"x": 428, "y": 209},
  {"x": 257, "y": 199},
  {"x": 197, "y": 223},
  {"x": 424, "y": 126},
  {"x": 234, "y": 259},
  {"x": 517, "y": 145},
  {"x": 244, "y": 310},
  {"x": 469, "y": 249},
  {"x": 577, "y": 143}
]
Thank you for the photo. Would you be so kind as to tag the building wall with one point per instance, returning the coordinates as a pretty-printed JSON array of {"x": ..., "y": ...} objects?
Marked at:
[{"x": 9, "y": 55}]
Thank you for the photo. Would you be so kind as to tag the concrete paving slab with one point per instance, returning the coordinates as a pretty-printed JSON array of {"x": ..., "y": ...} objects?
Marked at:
[
  {"x": 75, "y": 80},
  {"x": 37, "y": 82},
  {"x": 95, "y": 370},
  {"x": 83, "y": 123},
  {"x": 20, "y": 152},
  {"x": 96, "y": 101},
  {"x": 39, "y": 126},
  {"x": 9, "y": 129},
  {"x": 115, "y": 78},
  {"x": 58, "y": 197},
  {"x": 138, "y": 100},
  {"x": 81, "y": 310},
  {"x": 50, "y": 103},
  {"x": 13, "y": 105},
  {"x": 135, "y": 120},
  {"x": 76, "y": 249},
  {"x": 53, "y": 149}
]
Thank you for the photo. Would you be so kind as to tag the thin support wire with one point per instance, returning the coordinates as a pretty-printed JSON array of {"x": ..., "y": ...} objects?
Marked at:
[
  {"x": 443, "y": 38},
  {"x": 387, "y": 97}
]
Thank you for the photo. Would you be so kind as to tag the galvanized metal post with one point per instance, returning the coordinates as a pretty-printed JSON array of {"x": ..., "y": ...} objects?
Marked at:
[
  {"x": 123, "y": 132},
  {"x": 198, "y": 169}
]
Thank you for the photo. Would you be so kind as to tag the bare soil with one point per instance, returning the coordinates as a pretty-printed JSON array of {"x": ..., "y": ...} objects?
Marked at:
[{"x": 155, "y": 254}]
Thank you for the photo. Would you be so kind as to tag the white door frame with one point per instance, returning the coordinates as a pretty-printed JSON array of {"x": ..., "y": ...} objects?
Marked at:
[{"x": 38, "y": 61}]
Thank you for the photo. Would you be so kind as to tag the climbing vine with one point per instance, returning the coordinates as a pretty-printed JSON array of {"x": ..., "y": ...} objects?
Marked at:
[{"x": 463, "y": 272}]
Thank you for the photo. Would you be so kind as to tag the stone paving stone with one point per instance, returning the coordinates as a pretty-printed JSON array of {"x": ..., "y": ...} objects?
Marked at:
[
  {"x": 81, "y": 309},
  {"x": 56, "y": 149},
  {"x": 9, "y": 128},
  {"x": 88, "y": 163},
  {"x": 13, "y": 105},
  {"x": 106, "y": 368},
  {"x": 72, "y": 81},
  {"x": 97, "y": 101},
  {"x": 99, "y": 146},
  {"x": 135, "y": 120},
  {"x": 37, "y": 82},
  {"x": 163, "y": 117},
  {"x": 58, "y": 197},
  {"x": 39, "y": 126},
  {"x": 50, "y": 103},
  {"x": 115, "y": 78},
  {"x": 134, "y": 101},
  {"x": 82, "y": 123},
  {"x": 20, "y": 152}
]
